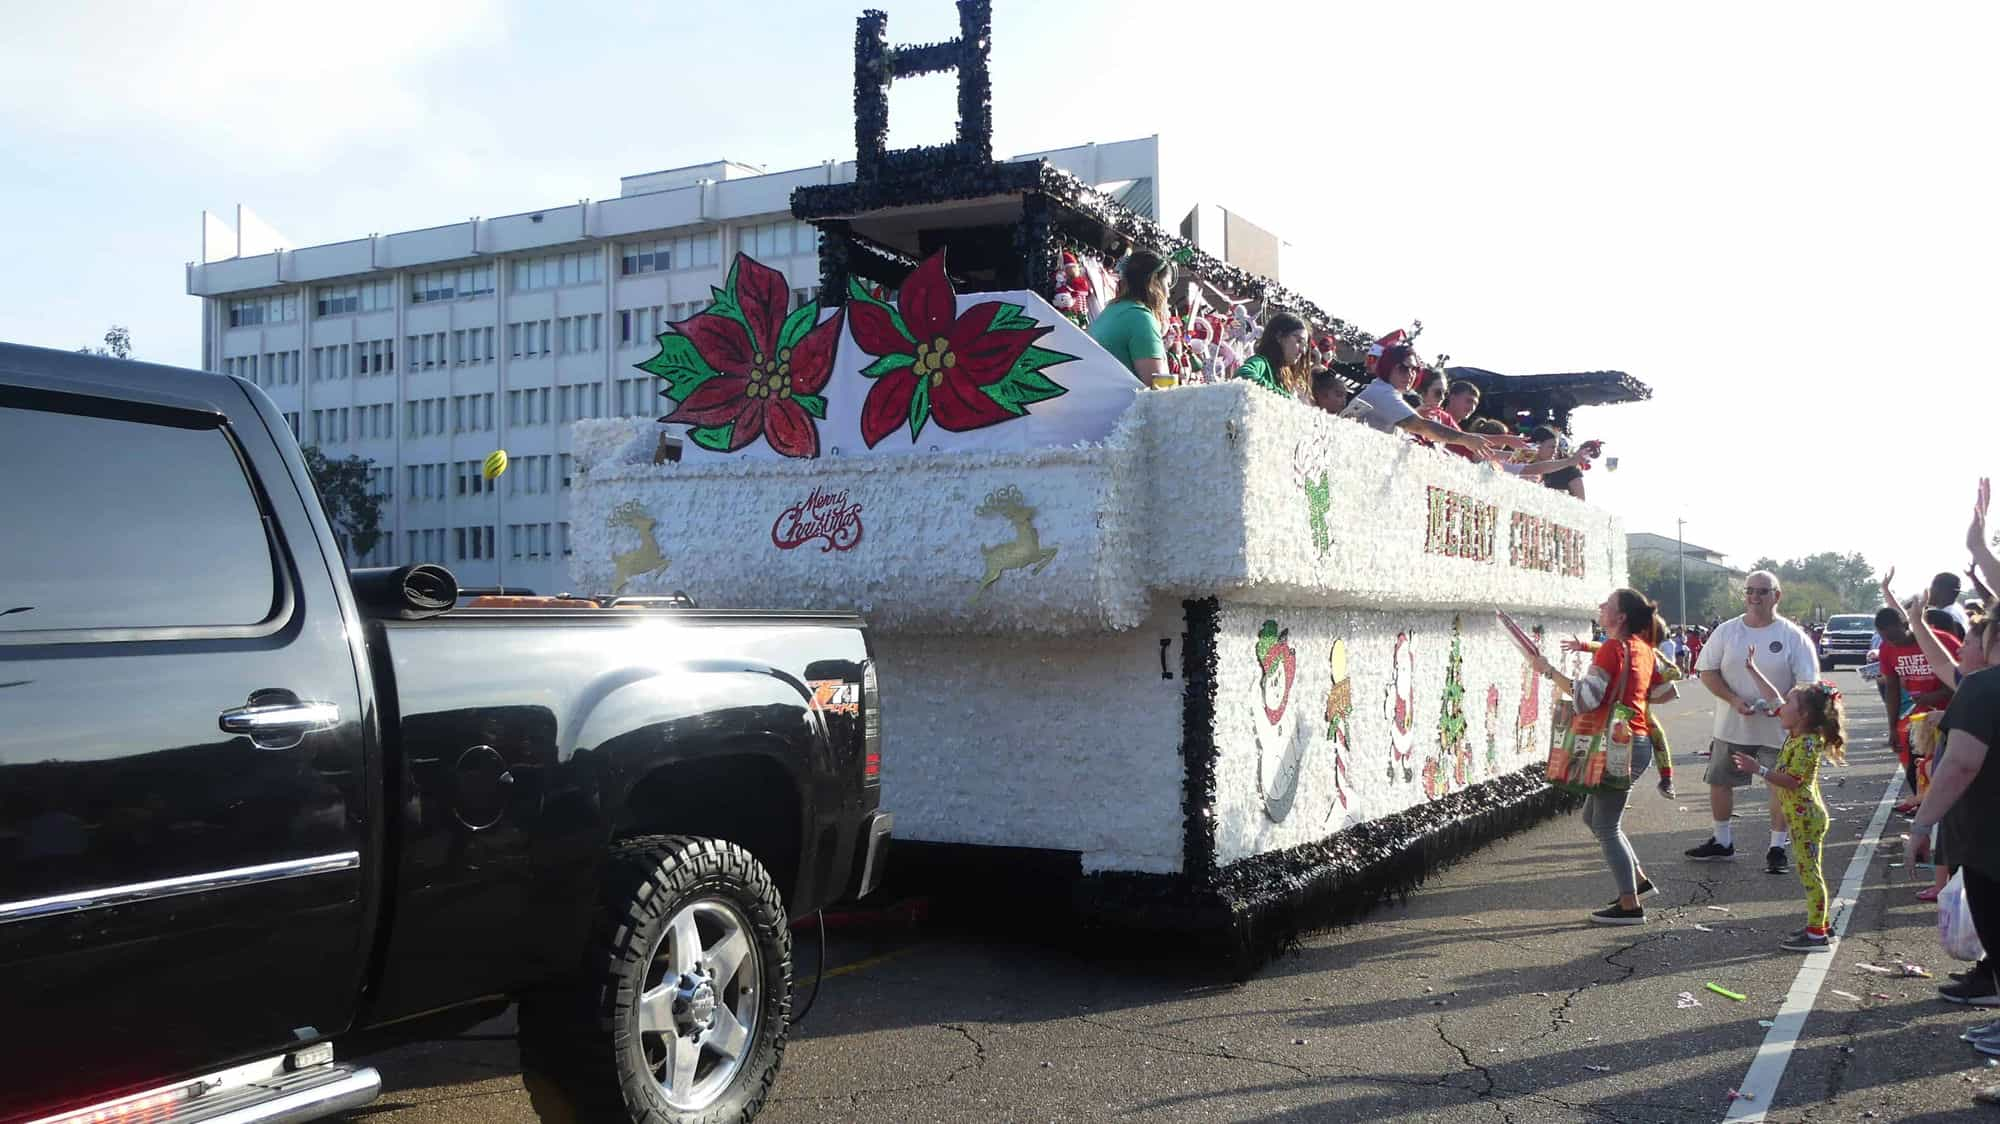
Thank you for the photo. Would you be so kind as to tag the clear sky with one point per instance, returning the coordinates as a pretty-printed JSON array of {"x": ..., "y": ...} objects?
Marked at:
[{"x": 1776, "y": 214}]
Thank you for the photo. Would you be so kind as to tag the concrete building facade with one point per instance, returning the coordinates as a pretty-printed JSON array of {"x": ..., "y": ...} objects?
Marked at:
[{"x": 424, "y": 351}]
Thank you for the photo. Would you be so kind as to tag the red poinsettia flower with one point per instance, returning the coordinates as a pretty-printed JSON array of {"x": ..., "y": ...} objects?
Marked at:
[
  {"x": 754, "y": 371},
  {"x": 963, "y": 371}
]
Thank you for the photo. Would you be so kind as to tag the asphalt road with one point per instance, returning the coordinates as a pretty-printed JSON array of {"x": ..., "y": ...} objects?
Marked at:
[{"x": 1485, "y": 996}]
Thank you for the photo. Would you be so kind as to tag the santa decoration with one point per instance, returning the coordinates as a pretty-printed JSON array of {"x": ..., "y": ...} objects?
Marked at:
[{"x": 1073, "y": 290}]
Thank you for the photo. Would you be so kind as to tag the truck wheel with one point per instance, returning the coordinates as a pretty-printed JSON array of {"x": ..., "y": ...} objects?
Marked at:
[{"x": 680, "y": 1013}]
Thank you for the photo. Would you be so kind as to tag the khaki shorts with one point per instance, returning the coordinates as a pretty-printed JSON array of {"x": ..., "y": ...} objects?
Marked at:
[{"x": 1722, "y": 771}]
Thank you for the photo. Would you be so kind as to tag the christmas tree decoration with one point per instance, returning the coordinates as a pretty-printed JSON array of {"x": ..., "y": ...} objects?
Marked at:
[{"x": 1446, "y": 771}]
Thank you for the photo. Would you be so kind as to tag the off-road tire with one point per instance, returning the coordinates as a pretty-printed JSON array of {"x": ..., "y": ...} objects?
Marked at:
[{"x": 581, "y": 1055}]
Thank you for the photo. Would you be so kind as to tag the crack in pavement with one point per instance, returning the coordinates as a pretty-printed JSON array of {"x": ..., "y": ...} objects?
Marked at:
[{"x": 853, "y": 1098}]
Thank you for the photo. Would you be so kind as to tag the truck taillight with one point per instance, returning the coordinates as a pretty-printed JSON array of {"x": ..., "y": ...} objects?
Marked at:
[{"x": 871, "y": 725}]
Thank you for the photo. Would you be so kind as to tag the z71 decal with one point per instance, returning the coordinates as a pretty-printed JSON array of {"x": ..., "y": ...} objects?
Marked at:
[{"x": 836, "y": 696}]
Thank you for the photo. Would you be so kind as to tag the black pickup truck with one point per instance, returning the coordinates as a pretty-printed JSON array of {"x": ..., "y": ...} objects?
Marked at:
[{"x": 252, "y": 808}]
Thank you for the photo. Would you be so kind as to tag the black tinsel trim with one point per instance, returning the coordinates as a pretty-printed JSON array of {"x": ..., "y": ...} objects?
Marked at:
[
  {"x": 876, "y": 65},
  {"x": 1199, "y": 659},
  {"x": 1258, "y": 906},
  {"x": 1066, "y": 206},
  {"x": 929, "y": 58},
  {"x": 835, "y": 245}
]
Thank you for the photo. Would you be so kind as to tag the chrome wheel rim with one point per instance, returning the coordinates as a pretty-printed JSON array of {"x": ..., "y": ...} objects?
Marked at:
[{"x": 699, "y": 1010}]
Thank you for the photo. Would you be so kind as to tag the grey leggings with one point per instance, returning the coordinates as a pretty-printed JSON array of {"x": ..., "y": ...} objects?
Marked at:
[{"x": 1605, "y": 816}]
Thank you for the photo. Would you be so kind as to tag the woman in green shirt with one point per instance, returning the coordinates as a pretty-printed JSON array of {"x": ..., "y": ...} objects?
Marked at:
[
  {"x": 1280, "y": 363},
  {"x": 1129, "y": 327}
]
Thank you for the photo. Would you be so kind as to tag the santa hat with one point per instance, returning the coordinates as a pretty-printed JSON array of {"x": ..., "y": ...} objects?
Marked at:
[
  {"x": 1395, "y": 346},
  {"x": 1068, "y": 258}
]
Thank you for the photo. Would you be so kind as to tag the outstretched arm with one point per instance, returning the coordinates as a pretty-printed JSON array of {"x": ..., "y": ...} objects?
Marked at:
[
  {"x": 1983, "y": 558},
  {"x": 1765, "y": 688},
  {"x": 1943, "y": 663}
]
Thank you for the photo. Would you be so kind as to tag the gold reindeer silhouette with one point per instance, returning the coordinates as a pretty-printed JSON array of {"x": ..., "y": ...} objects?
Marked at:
[
  {"x": 1026, "y": 547},
  {"x": 647, "y": 559}
]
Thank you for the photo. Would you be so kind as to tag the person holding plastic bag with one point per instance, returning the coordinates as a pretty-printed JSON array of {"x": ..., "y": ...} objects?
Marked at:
[
  {"x": 1965, "y": 796},
  {"x": 1612, "y": 697},
  {"x": 1815, "y": 725}
]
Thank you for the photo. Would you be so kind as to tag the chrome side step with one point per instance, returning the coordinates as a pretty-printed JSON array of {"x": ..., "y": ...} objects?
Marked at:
[{"x": 275, "y": 1098}]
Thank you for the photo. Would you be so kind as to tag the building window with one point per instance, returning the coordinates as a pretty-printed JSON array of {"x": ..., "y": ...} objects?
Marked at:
[
  {"x": 581, "y": 267},
  {"x": 452, "y": 284},
  {"x": 248, "y": 312},
  {"x": 366, "y": 296},
  {"x": 777, "y": 240},
  {"x": 689, "y": 251}
]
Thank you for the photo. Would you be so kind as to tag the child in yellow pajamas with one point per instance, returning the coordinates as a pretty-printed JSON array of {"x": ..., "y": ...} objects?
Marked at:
[{"x": 1815, "y": 723}]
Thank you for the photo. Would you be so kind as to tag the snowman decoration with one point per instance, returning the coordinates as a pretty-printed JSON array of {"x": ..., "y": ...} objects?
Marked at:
[{"x": 1276, "y": 728}]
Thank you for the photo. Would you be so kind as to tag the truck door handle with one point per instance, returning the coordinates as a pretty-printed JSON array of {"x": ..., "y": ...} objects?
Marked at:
[{"x": 280, "y": 725}]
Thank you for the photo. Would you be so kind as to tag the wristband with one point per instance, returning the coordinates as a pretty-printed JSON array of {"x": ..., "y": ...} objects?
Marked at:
[{"x": 1764, "y": 771}]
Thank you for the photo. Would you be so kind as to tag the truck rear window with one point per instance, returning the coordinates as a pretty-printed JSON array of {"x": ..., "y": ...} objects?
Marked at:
[{"x": 109, "y": 523}]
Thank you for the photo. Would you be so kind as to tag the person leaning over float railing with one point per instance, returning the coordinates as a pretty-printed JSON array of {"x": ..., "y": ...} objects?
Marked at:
[{"x": 1380, "y": 404}]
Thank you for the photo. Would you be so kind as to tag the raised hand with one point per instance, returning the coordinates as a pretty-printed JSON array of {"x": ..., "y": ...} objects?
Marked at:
[
  {"x": 1572, "y": 644},
  {"x": 1889, "y": 579},
  {"x": 1975, "y": 535}
]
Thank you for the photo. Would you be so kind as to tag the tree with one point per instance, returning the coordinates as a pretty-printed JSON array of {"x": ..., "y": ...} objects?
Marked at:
[
  {"x": 351, "y": 506},
  {"x": 1819, "y": 585},
  {"x": 117, "y": 343}
]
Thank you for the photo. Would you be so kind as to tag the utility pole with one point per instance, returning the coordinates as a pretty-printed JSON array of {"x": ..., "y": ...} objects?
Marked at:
[{"x": 1680, "y": 550}]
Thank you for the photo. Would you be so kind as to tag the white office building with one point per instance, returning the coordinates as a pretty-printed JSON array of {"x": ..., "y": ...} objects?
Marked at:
[{"x": 426, "y": 350}]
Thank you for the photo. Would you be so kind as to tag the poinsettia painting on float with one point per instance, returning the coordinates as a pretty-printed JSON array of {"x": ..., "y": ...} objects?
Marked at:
[
  {"x": 744, "y": 370},
  {"x": 936, "y": 365},
  {"x": 750, "y": 377}
]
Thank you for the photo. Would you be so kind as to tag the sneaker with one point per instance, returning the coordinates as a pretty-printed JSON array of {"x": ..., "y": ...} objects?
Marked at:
[
  {"x": 1989, "y": 1046},
  {"x": 1712, "y": 851},
  {"x": 1979, "y": 991},
  {"x": 1774, "y": 861},
  {"x": 1646, "y": 890},
  {"x": 1807, "y": 942},
  {"x": 1961, "y": 977},
  {"x": 1617, "y": 915},
  {"x": 1984, "y": 1030}
]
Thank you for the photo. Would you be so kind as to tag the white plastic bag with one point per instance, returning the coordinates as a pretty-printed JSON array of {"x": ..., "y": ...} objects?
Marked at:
[{"x": 1955, "y": 931}]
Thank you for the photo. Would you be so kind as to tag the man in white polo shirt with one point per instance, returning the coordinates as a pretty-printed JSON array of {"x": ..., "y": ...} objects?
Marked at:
[{"x": 1785, "y": 655}]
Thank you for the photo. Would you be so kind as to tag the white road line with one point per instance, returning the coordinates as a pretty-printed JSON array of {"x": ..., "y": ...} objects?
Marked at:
[{"x": 1769, "y": 1066}]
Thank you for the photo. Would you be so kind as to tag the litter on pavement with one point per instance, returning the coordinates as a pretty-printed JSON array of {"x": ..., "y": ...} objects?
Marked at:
[
  {"x": 1598, "y": 1068},
  {"x": 1717, "y": 908},
  {"x": 1736, "y": 1096},
  {"x": 1845, "y": 994},
  {"x": 1725, "y": 992},
  {"x": 1686, "y": 999},
  {"x": 1703, "y": 929}
]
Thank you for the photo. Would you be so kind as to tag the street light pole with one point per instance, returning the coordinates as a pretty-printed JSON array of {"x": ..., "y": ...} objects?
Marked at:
[{"x": 1680, "y": 551}]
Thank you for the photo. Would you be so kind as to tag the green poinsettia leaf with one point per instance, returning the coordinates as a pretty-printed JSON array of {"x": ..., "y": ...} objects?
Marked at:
[
  {"x": 680, "y": 364},
  {"x": 725, "y": 303},
  {"x": 813, "y": 404},
  {"x": 920, "y": 407},
  {"x": 894, "y": 361},
  {"x": 856, "y": 291},
  {"x": 798, "y": 324},
  {"x": 1009, "y": 318},
  {"x": 714, "y": 437},
  {"x": 1025, "y": 384}
]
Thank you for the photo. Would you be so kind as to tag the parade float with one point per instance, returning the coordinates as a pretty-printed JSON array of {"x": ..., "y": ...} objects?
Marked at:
[{"x": 1212, "y": 660}]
